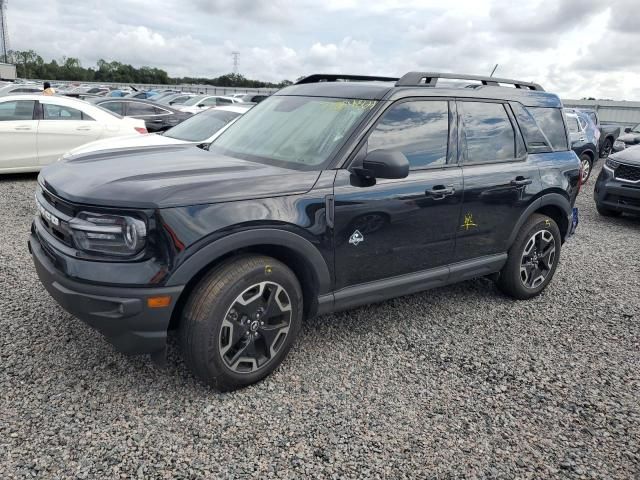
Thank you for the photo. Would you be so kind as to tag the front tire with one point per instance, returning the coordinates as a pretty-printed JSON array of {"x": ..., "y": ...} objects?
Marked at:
[
  {"x": 240, "y": 321},
  {"x": 607, "y": 148},
  {"x": 533, "y": 258}
]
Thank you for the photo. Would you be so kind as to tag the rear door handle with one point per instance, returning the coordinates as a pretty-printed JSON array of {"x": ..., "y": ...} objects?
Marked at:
[
  {"x": 438, "y": 192},
  {"x": 23, "y": 127},
  {"x": 83, "y": 128},
  {"x": 521, "y": 182}
]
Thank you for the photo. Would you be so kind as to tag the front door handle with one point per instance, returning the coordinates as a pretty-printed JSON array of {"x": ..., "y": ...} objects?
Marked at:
[
  {"x": 23, "y": 127},
  {"x": 438, "y": 192},
  {"x": 521, "y": 182},
  {"x": 83, "y": 129}
]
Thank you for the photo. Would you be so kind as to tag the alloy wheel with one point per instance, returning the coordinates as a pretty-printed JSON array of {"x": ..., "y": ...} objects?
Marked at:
[
  {"x": 537, "y": 259},
  {"x": 586, "y": 168},
  {"x": 255, "y": 327}
]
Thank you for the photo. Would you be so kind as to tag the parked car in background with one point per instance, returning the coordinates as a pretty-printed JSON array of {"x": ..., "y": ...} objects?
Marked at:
[
  {"x": 203, "y": 102},
  {"x": 583, "y": 140},
  {"x": 608, "y": 133},
  {"x": 617, "y": 189},
  {"x": 200, "y": 129},
  {"x": 629, "y": 138},
  {"x": 253, "y": 97},
  {"x": 35, "y": 129},
  {"x": 157, "y": 118},
  {"x": 19, "y": 88},
  {"x": 176, "y": 99},
  {"x": 142, "y": 94}
]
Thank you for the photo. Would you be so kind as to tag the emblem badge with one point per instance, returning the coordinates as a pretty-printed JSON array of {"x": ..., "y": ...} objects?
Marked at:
[{"x": 356, "y": 238}]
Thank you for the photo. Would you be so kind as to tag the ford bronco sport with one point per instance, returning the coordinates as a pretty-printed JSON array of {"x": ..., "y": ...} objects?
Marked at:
[{"x": 335, "y": 192}]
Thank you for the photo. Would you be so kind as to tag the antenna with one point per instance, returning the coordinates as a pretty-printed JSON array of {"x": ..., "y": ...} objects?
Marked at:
[
  {"x": 4, "y": 33},
  {"x": 494, "y": 70},
  {"x": 236, "y": 56}
]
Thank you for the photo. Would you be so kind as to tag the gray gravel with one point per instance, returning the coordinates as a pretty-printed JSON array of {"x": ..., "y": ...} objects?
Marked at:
[{"x": 456, "y": 382}]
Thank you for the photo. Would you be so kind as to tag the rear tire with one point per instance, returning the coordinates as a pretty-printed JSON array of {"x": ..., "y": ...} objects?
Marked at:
[
  {"x": 587, "y": 166},
  {"x": 240, "y": 321},
  {"x": 533, "y": 258},
  {"x": 607, "y": 148},
  {"x": 606, "y": 212}
]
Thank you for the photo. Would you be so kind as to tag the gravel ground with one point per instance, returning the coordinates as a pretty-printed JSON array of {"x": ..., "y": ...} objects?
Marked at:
[{"x": 458, "y": 382}]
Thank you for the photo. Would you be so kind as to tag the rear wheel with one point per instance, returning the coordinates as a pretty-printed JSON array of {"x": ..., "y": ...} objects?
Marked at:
[
  {"x": 606, "y": 149},
  {"x": 533, "y": 258},
  {"x": 606, "y": 212},
  {"x": 240, "y": 321},
  {"x": 587, "y": 165}
]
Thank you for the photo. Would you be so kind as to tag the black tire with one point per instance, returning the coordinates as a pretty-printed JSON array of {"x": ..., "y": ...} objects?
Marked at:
[
  {"x": 586, "y": 160},
  {"x": 607, "y": 148},
  {"x": 206, "y": 324},
  {"x": 510, "y": 280},
  {"x": 606, "y": 212}
]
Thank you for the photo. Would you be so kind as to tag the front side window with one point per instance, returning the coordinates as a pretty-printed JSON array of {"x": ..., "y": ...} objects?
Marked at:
[
  {"x": 293, "y": 132},
  {"x": 19, "y": 110},
  {"x": 488, "y": 132},
  {"x": 202, "y": 126},
  {"x": 61, "y": 112},
  {"x": 418, "y": 129}
]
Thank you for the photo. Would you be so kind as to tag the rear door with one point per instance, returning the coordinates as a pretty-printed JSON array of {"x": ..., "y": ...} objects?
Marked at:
[
  {"x": 407, "y": 225},
  {"x": 500, "y": 180},
  {"x": 18, "y": 129},
  {"x": 63, "y": 128}
]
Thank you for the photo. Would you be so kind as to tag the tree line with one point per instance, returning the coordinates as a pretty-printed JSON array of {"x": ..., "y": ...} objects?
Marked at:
[{"x": 31, "y": 65}]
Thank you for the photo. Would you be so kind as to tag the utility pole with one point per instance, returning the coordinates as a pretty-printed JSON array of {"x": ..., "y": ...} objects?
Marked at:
[
  {"x": 4, "y": 32},
  {"x": 236, "y": 56}
]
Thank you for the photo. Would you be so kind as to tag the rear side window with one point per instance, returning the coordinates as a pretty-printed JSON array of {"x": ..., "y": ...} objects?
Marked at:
[
  {"x": 115, "y": 107},
  {"x": 16, "y": 111},
  {"x": 419, "y": 129},
  {"x": 550, "y": 122},
  {"x": 488, "y": 132},
  {"x": 60, "y": 112},
  {"x": 572, "y": 123},
  {"x": 134, "y": 108}
]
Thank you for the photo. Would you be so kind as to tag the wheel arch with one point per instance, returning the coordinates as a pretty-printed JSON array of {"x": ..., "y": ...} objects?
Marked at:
[
  {"x": 298, "y": 253},
  {"x": 554, "y": 205}
]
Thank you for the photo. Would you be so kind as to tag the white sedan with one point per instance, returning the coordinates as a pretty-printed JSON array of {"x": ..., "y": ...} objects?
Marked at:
[
  {"x": 36, "y": 129},
  {"x": 200, "y": 129},
  {"x": 204, "y": 102}
]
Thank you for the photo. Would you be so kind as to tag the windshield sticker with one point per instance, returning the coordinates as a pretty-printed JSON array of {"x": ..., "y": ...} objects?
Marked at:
[{"x": 359, "y": 104}]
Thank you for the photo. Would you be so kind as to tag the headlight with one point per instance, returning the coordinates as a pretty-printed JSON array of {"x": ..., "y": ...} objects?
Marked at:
[
  {"x": 118, "y": 235},
  {"x": 611, "y": 164}
]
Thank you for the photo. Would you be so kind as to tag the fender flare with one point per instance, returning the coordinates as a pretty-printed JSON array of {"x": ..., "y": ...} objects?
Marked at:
[
  {"x": 554, "y": 199},
  {"x": 254, "y": 237}
]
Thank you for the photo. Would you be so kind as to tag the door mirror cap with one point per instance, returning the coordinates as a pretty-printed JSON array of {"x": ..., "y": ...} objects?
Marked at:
[
  {"x": 385, "y": 164},
  {"x": 627, "y": 130}
]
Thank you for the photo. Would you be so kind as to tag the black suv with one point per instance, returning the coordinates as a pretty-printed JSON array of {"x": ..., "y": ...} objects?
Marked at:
[{"x": 335, "y": 192}]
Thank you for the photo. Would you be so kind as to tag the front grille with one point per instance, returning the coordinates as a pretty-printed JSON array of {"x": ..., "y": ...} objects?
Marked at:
[
  {"x": 628, "y": 172},
  {"x": 57, "y": 209}
]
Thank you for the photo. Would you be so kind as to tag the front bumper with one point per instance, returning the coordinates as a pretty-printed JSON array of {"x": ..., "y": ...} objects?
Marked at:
[
  {"x": 617, "y": 195},
  {"x": 120, "y": 314}
]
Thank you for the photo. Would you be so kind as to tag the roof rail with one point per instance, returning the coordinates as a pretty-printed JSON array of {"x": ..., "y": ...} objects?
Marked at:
[
  {"x": 430, "y": 79},
  {"x": 334, "y": 77}
]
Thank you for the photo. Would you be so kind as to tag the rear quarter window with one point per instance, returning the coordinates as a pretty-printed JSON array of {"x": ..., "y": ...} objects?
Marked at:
[
  {"x": 535, "y": 139},
  {"x": 551, "y": 123}
]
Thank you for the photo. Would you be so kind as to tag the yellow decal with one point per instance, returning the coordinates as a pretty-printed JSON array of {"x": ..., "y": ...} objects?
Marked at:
[
  {"x": 547, "y": 223},
  {"x": 267, "y": 269},
  {"x": 468, "y": 221},
  {"x": 361, "y": 104}
]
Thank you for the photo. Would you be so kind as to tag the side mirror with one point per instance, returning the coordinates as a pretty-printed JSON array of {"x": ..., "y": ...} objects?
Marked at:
[
  {"x": 384, "y": 164},
  {"x": 627, "y": 130}
]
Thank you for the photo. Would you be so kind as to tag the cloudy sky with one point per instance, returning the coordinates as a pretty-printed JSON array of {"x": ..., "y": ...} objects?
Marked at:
[{"x": 577, "y": 48}]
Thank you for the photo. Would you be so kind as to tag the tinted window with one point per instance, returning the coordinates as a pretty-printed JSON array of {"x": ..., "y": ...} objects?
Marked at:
[
  {"x": 420, "y": 130},
  {"x": 550, "y": 122},
  {"x": 488, "y": 132},
  {"x": 115, "y": 107},
  {"x": 572, "y": 123},
  {"x": 60, "y": 112},
  {"x": 134, "y": 108},
  {"x": 16, "y": 111},
  {"x": 160, "y": 111},
  {"x": 223, "y": 101},
  {"x": 26, "y": 90},
  {"x": 532, "y": 134},
  {"x": 593, "y": 117},
  {"x": 202, "y": 126}
]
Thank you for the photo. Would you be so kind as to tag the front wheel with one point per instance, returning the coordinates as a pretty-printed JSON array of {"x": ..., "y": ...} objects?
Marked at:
[
  {"x": 240, "y": 321},
  {"x": 607, "y": 148},
  {"x": 533, "y": 258}
]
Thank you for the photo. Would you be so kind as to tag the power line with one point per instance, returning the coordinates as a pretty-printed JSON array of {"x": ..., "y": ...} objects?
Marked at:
[
  {"x": 236, "y": 56},
  {"x": 4, "y": 32}
]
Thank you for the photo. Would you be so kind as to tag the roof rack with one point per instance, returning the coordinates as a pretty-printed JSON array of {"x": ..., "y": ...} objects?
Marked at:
[
  {"x": 331, "y": 77},
  {"x": 430, "y": 79}
]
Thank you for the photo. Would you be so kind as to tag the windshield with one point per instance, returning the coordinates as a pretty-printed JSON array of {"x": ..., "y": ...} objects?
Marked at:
[
  {"x": 201, "y": 127},
  {"x": 193, "y": 101},
  {"x": 294, "y": 132},
  {"x": 636, "y": 129}
]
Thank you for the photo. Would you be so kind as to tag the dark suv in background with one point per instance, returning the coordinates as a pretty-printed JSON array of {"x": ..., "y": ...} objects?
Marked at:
[{"x": 335, "y": 192}]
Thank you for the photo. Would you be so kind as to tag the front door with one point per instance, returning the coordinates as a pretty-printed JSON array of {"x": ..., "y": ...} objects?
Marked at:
[
  {"x": 397, "y": 227},
  {"x": 500, "y": 179}
]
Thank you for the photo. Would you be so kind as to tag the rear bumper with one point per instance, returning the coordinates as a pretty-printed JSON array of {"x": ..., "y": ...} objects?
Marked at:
[
  {"x": 617, "y": 195},
  {"x": 120, "y": 314}
]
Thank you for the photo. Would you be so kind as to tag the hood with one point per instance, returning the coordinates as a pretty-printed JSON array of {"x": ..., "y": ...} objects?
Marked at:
[
  {"x": 168, "y": 176},
  {"x": 629, "y": 155},
  {"x": 630, "y": 138},
  {"x": 137, "y": 140}
]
